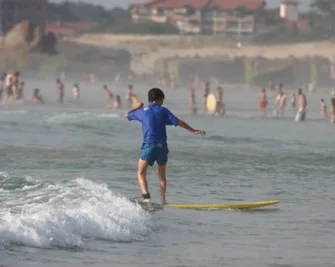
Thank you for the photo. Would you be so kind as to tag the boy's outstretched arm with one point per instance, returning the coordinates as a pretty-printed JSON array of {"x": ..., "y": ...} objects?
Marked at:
[{"x": 184, "y": 125}]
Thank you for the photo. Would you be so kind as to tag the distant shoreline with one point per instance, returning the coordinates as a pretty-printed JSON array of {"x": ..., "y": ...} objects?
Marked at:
[{"x": 149, "y": 48}]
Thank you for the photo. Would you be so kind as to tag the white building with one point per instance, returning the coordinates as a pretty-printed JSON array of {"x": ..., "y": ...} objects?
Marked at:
[{"x": 289, "y": 10}]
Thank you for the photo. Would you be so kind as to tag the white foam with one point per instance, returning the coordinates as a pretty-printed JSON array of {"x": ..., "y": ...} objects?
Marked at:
[
  {"x": 4, "y": 175},
  {"x": 66, "y": 215},
  {"x": 6, "y": 112},
  {"x": 75, "y": 117}
]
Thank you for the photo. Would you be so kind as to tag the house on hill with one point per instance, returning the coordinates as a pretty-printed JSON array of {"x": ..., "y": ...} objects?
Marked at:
[
  {"x": 289, "y": 10},
  {"x": 241, "y": 18}
]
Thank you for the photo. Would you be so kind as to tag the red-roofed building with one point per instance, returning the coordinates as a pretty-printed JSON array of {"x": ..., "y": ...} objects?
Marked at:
[
  {"x": 227, "y": 17},
  {"x": 62, "y": 28}
]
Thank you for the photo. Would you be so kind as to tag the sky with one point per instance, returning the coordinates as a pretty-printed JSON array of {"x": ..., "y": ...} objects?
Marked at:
[{"x": 125, "y": 3}]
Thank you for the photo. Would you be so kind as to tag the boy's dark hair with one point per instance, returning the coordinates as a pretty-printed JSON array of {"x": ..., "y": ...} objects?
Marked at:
[{"x": 155, "y": 94}]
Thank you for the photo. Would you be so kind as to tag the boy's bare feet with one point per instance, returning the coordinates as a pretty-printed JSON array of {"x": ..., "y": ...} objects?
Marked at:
[
  {"x": 147, "y": 200},
  {"x": 163, "y": 201}
]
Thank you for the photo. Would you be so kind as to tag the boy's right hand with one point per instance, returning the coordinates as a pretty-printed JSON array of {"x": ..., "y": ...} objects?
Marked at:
[
  {"x": 140, "y": 105},
  {"x": 199, "y": 132}
]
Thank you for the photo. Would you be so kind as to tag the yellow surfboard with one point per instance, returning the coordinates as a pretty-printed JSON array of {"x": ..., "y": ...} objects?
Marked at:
[
  {"x": 211, "y": 103},
  {"x": 231, "y": 206},
  {"x": 234, "y": 206},
  {"x": 135, "y": 101}
]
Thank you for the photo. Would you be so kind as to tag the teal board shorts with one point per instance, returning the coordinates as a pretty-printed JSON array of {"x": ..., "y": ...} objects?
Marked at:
[{"x": 154, "y": 151}]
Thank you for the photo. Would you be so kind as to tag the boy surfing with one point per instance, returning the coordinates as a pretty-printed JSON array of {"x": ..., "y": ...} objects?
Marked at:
[{"x": 154, "y": 119}]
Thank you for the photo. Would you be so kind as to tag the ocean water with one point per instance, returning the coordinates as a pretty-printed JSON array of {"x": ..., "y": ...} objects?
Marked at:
[{"x": 67, "y": 174}]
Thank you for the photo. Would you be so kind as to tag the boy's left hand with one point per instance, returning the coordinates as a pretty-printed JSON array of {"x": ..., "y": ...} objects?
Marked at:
[{"x": 200, "y": 132}]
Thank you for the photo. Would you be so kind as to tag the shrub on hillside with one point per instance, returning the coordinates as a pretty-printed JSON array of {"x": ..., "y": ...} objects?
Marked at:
[{"x": 129, "y": 27}]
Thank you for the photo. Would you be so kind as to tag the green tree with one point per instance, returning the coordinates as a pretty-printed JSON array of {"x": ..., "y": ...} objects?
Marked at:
[
  {"x": 145, "y": 27},
  {"x": 81, "y": 11},
  {"x": 61, "y": 12},
  {"x": 326, "y": 10}
]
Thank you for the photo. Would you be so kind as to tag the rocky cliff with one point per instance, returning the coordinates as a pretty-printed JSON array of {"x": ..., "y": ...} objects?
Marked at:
[{"x": 23, "y": 48}]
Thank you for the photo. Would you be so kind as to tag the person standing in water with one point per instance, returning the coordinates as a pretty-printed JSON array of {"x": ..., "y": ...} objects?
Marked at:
[
  {"x": 302, "y": 104},
  {"x": 129, "y": 96},
  {"x": 60, "y": 90},
  {"x": 293, "y": 103},
  {"x": 1, "y": 87},
  {"x": 193, "y": 102},
  {"x": 220, "y": 107},
  {"x": 263, "y": 102},
  {"x": 283, "y": 100},
  {"x": 117, "y": 102},
  {"x": 280, "y": 102},
  {"x": 332, "y": 109},
  {"x": 20, "y": 91},
  {"x": 108, "y": 96},
  {"x": 154, "y": 119},
  {"x": 323, "y": 109},
  {"x": 75, "y": 92},
  {"x": 16, "y": 85},
  {"x": 206, "y": 93},
  {"x": 271, "y": 86},
  {"x": 8, "y": 87}
]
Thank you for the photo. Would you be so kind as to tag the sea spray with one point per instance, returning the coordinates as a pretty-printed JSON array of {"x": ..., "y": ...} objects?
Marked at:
[{"x": 68, "y": 214}]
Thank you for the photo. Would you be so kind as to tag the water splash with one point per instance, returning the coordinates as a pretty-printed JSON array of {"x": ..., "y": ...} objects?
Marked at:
[{"x": 67, "y": 214}]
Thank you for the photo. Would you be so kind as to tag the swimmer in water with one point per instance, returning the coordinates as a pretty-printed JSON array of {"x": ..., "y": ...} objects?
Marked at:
[
  {"x": 75, "y": 92},
  {"x": 37, "y": 98}
]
